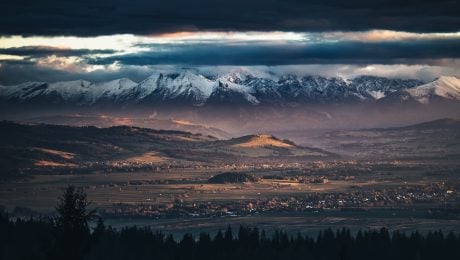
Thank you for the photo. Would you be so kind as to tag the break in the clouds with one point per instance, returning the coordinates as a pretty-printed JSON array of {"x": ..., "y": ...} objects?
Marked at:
[{"x": 145, "y": 17}]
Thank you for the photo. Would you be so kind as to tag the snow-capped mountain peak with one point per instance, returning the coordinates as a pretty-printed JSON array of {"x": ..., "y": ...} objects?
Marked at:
[
  {"x": 183, "y": 84},
  {"x": 111, "y": 90},
  {"x": 236, "y": 77},
  {"x": 64, "y": 91},
  {"x": 227, "y": 91},
  {"x": 447, "y": 87}
]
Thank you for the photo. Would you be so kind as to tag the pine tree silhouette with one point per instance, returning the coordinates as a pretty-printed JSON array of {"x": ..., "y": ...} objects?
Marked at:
[{"x": 73, "y": 231}]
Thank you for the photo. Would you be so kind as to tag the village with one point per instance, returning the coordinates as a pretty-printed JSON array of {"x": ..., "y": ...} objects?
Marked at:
[{"x": 400, "y": 197}]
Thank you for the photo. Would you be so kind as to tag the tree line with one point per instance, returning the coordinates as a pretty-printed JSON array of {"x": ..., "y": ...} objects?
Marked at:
[{"x": 69, "y": 236}]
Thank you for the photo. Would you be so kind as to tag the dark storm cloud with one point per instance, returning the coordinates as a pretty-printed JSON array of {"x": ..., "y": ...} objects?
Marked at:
[
  {"x": 43, "y": 51},
  {"x": 101, "y": 17},
  {"x": 401, "y": 52},
  {"x": 16, "y": 72}
]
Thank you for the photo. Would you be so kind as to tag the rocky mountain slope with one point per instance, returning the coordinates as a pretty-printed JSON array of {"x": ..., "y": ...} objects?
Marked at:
[{"x": 186, "y": 86}]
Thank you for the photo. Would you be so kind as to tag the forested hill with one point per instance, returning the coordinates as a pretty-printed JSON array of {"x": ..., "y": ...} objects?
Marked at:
[{"x": 34, "y": 239}]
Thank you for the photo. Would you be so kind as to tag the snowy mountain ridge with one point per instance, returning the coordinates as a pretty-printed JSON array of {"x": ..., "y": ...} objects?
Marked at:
[
  {"x": 187, "y": 86},
  {"x": 444, "y": 87}
]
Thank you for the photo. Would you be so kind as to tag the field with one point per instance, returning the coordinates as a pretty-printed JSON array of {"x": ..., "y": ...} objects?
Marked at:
[{"x": 183, "y": 200}]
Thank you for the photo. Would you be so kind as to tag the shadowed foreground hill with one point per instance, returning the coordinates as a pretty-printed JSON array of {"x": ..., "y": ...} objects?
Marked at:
[
  {"x": 33, "y": 146},
  {"x": 104, "y": 121},
  {"x": 432, "y": 140},
  {"x": 444, "y": 123}
]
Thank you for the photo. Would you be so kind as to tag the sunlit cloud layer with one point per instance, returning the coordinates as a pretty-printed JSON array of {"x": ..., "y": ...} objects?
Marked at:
[
  {"x": 10, "y": 57},
  {"x": 384, "y": 35},
  {"x": 130, "y": 43},
  {"x": 365, "y": 51}
]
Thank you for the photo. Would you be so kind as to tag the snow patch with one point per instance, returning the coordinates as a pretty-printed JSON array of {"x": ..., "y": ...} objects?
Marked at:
[{"x": 377, "y": 94}]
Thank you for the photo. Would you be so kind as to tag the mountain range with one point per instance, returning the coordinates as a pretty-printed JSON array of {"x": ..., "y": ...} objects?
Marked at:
[{"x": 187, "y": 86}]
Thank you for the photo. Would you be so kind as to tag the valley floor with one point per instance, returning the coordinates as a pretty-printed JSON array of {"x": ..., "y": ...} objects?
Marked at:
[{"x": 402, "y": 195}]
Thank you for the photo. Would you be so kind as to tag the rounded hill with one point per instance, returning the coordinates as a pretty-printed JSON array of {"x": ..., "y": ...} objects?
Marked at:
[{"x": 232, "y": 177}]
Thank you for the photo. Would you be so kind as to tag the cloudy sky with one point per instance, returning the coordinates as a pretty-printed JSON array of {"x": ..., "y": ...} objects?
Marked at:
[{"x": 97, "y": 40}]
